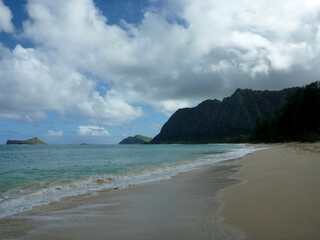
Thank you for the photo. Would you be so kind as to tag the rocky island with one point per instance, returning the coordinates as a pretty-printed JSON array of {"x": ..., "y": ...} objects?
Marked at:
[
  {"x": 32, "y": 141},
  {"x": 137, "y": 139}
]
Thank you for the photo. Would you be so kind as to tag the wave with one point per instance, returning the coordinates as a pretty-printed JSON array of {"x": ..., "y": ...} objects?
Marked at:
[{"x": 24, "y": 199}]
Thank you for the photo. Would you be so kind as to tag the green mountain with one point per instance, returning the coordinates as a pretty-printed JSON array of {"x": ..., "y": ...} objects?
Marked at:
[
  {"x": 228, "y": 120},
  {"x": 298, "y": 120},
  {"x": 33, "y": 141},
  {"x": 137, "y": 139}
]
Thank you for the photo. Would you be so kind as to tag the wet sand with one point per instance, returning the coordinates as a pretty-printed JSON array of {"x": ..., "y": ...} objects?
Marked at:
[
  {"x": 184, "y": 207},
  {"x": 280, "y": 198}
]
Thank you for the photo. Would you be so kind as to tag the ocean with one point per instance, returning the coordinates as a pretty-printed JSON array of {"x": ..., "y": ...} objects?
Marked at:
[{"x": 35, "y": 175}]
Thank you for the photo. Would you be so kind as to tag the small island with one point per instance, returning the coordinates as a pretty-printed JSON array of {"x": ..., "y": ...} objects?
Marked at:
[
  {"x": 137, "y": 139},
  {"x": 32, "y": 141}
]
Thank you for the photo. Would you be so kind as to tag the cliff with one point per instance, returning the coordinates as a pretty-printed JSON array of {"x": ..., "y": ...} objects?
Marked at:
[
  {"x": 137, "y": 139},
  {"x": 216, "y": 121},
  {"x": 33, "y": 141}
]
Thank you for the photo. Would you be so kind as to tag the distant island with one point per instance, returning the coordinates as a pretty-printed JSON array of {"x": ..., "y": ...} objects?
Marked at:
[
  {"x": 137, "y": 139},
  {"x": 32, "y": 141}
]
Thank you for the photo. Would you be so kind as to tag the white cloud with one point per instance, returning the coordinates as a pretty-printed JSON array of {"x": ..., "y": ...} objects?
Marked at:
[
  {"x": 5, "y": 18},
  {"x": 52, "y": 133},
  {"x": 32, "y": 85},
  {"x": 92, "y": 131},
  {"x": 170, "y": 106},
  {"x": 83, "y": 66}
]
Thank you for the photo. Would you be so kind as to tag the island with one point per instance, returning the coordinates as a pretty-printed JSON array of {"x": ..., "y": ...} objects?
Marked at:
[
  {"x": 137, "y": 139},
  {"x": 32, "y": 141}
]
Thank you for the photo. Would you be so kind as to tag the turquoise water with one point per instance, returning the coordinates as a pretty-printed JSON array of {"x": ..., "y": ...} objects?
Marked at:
[{"x": 33, "y": 175}]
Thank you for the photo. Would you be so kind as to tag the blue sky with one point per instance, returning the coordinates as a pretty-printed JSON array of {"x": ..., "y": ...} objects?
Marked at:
[{"x": 97, "y": 71}]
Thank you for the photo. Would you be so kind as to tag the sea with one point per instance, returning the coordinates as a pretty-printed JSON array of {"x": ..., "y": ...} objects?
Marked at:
[{"x": 35, "y": 175}]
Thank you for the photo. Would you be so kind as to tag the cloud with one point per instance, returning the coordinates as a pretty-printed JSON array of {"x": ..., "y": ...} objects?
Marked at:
[
  {"x": 52, "y": 133},
  {"x": 92, "y": 131},
  {"x": 59, "y": 73},
  {"x": 176, "y": 56},
  {"x": 30, "y": 85},
  {"x": 5, "y": 18}
]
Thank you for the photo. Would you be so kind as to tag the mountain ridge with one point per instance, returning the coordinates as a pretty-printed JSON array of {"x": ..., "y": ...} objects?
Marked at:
[{"x": 215, "y": 120}]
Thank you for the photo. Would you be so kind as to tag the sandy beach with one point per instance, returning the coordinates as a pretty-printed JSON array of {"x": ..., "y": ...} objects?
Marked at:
[
  {"x": 276, "y": 195},
  {"x": 184, "y": 207},
  {"x": 280, "y": 198}
]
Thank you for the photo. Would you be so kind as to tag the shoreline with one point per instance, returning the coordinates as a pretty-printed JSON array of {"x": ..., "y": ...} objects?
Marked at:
[
  {"x": 57, "y": 191},
  {"x": 199, "y": 204},
  {"x": 279, "y": 195},
  {"x": 183, "y": 207}
]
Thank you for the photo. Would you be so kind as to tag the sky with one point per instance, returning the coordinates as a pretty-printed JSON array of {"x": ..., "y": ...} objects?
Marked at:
[{"x": 97, "y": 71}]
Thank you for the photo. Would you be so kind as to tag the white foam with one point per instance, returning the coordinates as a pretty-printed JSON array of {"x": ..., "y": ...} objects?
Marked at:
[{"x": 21, "y": 200}]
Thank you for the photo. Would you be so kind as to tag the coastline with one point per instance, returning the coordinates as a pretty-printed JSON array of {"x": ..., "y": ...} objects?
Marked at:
[
  {"x": 279, "y": 196},
  {"x": 213, "y": 202},
  {"x": 183, "y": 207},
  {"x": 146, "y": 165}
]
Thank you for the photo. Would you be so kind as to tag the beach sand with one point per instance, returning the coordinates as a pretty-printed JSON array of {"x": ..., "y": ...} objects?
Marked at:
[
  {"x": 280, "y": 198},
  {"x": 184, "y": 207},
  {"x": 275, "y": 196}
]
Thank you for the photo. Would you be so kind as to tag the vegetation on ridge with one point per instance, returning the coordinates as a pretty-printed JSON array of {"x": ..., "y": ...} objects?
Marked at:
[
  {"x": 298, "y": 120},
  {"x": 231, "y": 120}
]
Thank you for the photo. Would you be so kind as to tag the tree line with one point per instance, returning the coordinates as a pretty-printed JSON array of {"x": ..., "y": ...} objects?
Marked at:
[{"x": 298, "y": 120}]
